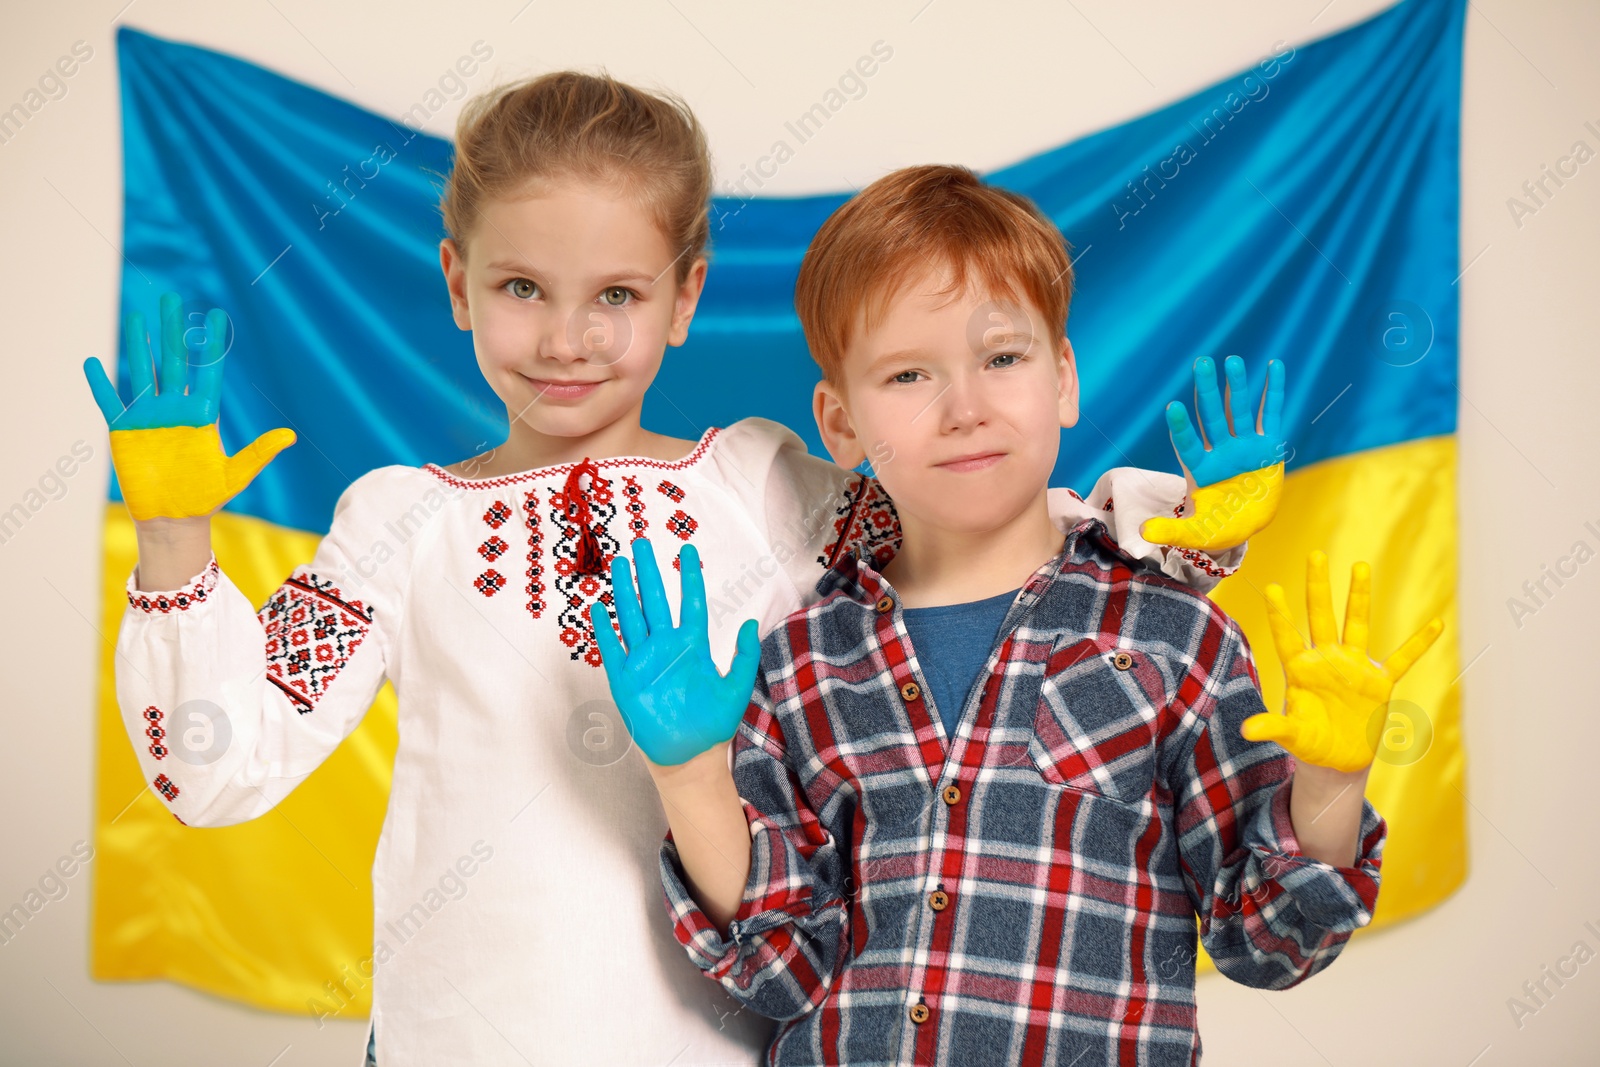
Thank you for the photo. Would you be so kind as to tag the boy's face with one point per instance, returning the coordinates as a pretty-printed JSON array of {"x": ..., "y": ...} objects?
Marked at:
[
  {"x": 572, "y": 297},
  {"x": 942, "y": 379}
]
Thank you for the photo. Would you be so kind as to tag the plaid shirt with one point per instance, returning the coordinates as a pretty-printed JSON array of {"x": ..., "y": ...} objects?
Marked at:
[{"x": 1025, "y": 892}]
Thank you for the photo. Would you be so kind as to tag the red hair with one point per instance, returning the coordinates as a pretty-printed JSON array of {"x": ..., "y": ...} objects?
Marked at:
[{"x": 867, "y": 251}]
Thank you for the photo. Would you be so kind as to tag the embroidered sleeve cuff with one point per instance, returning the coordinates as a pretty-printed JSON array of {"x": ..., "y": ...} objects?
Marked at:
[
  {"x": 1183, "y": 563},
  {"x": 1338, "y": 899},
  {"x": 163, "y": 603}
]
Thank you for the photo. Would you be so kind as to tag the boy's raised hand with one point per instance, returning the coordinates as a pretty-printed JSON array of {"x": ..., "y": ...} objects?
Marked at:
[
  {"x": 1337, "y": 697},
  {"x": 1236, "y": 479},
  {"x": 674, "y": 701},
  {"x": 165, "y": 444}
]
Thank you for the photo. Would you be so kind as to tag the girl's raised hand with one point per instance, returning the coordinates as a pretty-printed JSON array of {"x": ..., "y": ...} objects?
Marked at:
[
  {"x": 1237, "y": 479},
  {"x": 674, "y": 701},
  {"x": 164, "y": 443},
  {"x": 1338, "y": 698}
]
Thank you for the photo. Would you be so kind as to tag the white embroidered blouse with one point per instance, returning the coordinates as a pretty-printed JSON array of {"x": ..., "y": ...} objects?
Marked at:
[{"x": 472, "y": 597}]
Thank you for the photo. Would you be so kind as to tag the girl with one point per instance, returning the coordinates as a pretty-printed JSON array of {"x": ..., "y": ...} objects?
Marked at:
[{"x": 577, "y": 219}]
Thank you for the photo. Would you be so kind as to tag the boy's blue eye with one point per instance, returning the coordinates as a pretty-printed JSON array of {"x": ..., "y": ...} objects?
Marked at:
[
  {"x": 521, "y": 288},
  {"x": 898, "y": 377},
  {"x": 1006, "y": 355},
  {"x": 616, "y": 296}
]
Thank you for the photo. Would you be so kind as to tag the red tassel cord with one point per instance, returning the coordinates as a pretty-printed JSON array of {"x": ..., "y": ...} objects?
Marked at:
[{"x": 590, "y": 559}]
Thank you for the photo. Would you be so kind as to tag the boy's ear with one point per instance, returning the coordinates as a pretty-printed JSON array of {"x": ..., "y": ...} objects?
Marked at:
[
  {"x": 454, "y": 266},
  {"x": 833, "y": 422},
  {"x": 687, "y": 300},
  {"x": 1067, "y": 385}
]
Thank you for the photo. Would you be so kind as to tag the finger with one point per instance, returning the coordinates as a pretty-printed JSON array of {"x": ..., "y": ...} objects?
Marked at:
[
  {"x": 1191, "y": 450},
  {"x": 208, "y": 375},
  {"x": 626, "y": 602},
  {"x": 174, "y": 357},
  {"x": 612, "y": 656},
  {"x": 746, "y": 658},
  {"x": 1358, "y": 608},
  {"x": 692, "y": 605},
  {"x": 1269, "y": 726},
  {"x": 1285, "y": 638},
  {"x": 1238, "y": 395},
  {"x": 1319, "y": 600},
  {"x": 1271, "y": 415},
  {"x": 1407, "y": 654},
  {"x": 105, "y": 394},
  {"x": 244, "y": 465},
  {"x": 1208, "y": 402},
  {"x": 651, "y": 590},
  {"x": 140, "y": 374}
]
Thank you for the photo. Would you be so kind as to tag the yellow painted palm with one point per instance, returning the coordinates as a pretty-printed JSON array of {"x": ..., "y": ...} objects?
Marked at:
[{"x": 1338, "y": 697}]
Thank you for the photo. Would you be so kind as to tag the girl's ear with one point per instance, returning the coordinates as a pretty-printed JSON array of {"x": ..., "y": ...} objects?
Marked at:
[
  {"x": 833, "y": 422},
  {"x": 1067, "y": 385},
  {"x": 687, "y": 300},
  {"x": 454, "y": 265}
]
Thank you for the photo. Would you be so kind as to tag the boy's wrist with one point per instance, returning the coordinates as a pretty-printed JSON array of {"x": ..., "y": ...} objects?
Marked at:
[{"x": 699, "y": 774}]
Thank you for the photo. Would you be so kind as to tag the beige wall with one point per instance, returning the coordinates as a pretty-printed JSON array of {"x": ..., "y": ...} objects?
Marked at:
[{"x": 960, "y": 87}]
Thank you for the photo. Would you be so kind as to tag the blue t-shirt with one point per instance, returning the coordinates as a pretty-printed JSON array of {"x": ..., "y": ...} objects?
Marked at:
[{"x": 953, "y": 642}]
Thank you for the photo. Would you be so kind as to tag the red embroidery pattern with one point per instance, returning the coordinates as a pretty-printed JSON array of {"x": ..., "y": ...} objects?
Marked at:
[
  {"x": 575, "y": 590},
  {"x": 490, "y": 582},
  {"x": 865, "y": 523},
  {"x": 155, "y": 732},
  {"x": 166, "y": 787},
  {"x": 672, "y": 491},
  {"x": 497, "y": 515},
  {"x": 312, "y": 632},
  {"x": 182, "y": 600},
  {"x": 493, "y": 549},
  {"x": 637, "y": 523},
  {"x": 535, "y": 572},
  {"x": 682, "y": 524},
  {"x": 549, "y": 472}
]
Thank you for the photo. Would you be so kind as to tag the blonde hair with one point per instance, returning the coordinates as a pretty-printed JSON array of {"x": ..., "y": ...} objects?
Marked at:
[
  {"x": 913, "y": 217},
  {"x": 592, "y": 128}
]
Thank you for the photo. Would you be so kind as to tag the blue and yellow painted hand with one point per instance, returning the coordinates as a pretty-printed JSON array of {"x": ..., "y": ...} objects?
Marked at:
[
  {"x": 1235, "y": 475},
  {"x": 164, "y": 443}
]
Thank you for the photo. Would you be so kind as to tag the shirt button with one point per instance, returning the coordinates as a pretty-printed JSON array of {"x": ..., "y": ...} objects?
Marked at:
[
  {"x": 910, "y": 691},
  {"x": 919, "y": 1013},
  {"x": 885, "y": 605},
  {"x": 1122, "y": 661},
  {"x": 939, "y": 900},
  {"x": 952, "y": 794}
]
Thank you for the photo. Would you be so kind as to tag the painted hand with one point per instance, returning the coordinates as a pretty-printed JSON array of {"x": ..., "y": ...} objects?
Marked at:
[
  {"x": 1237, "y": 479},
  {"x": 1337, "y": 697},
  {"x": 675, "y": 702},
  {"x": 164, "y": 444}
]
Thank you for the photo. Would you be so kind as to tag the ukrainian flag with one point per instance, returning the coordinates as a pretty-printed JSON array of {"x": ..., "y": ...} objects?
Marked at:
[{"x": 1304, "y": 209}]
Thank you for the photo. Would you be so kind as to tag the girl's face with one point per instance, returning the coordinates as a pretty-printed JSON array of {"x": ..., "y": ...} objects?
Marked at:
[{"x": 572, "y": 297}]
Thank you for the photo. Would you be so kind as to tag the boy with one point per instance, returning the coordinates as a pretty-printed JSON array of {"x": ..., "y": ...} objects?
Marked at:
[{"x": 979, "y": 797}]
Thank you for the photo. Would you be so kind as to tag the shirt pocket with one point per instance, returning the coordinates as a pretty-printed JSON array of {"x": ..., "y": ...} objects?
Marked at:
[{"x": 1096, "y": 721}]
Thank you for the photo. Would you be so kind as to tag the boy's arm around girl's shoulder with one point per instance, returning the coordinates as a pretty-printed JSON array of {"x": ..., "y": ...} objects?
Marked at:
[
  {"x": 790, "y": 930},
  {"x": 230, "y": 708},
  {"x": 1270, "y": 916},
  {"x": 805, "y": 505}
]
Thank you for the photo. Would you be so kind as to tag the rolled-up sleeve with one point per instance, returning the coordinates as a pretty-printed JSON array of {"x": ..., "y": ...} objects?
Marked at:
[
  {"x": 788, "y": 937},
  {"x": 1270, "y": 916}
]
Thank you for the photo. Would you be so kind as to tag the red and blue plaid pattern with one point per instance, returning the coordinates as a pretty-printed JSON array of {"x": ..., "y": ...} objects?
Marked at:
[{"x": 1027, "y": 891}]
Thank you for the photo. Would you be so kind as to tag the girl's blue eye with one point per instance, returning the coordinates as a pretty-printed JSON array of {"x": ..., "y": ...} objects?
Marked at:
[
  {"x": 521, "y": 288},
  {"x": 621, "y": 294}
]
